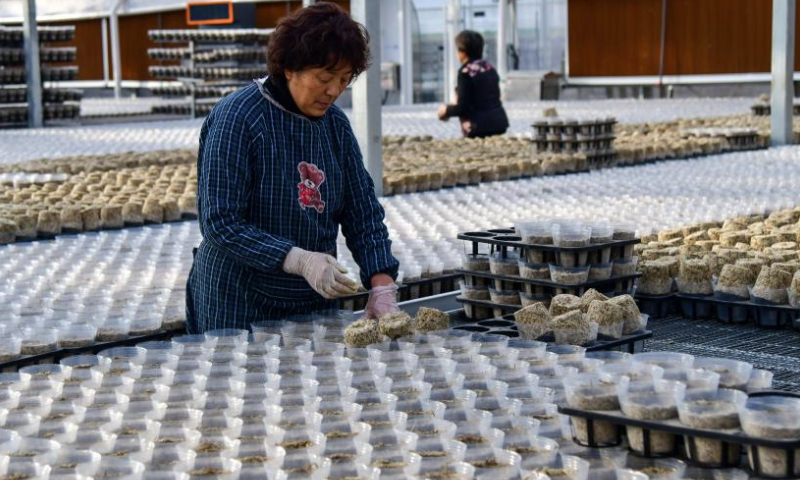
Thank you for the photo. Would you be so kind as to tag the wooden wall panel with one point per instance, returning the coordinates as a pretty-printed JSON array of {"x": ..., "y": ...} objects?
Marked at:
[
  {"x": 614, "y": 37},
  {"x": 622, "y": 37},
  {"x": 717, "y": 36}
]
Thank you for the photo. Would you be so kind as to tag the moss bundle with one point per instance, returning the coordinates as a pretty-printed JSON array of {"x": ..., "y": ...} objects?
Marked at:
[
  {"x": 564, "y": 303},
  {"x": 631, "y": 314},
  {"x": 533, "y": 321}
]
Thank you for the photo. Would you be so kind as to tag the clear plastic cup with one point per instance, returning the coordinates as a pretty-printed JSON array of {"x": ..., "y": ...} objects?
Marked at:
[
  {"x": 175, "y": 458},
  {"x": 547, "y": 359},
  {"x": 131, "y": 447},
  {"x": 635, "y": 372},
  {"x": 120, "y": 468},
  {"x": 610, "y": 356},
  {"x": 592, "y": 392},
  {"x": 344, "y": 470},
  {"x": 28, "y": 470},
  {"x": 771, "y": 417},
  {"x": 733, "y": 373},
  {"x": 135, "y": 355},
  {"x": 432, "y": 427},
  {"x": 77, "y": 336},
  {"x": 450, "y": 470},
  {"x": 215, "y": 446},
  {"x": 305, "y": 465},
  {"x": 54, "y": 372},
  {"x": 569, "y": 466},
  {"x": 666, "y": 360},
  {"x": 182, "y": 396},
  {"x": 383, "y": 418},
  {"x": 655, "y": 468},
  {"x": 182, "y": 416},
  {"x": 658, "y": 402},
  {"x": 694, "y": 473},
  {"x": 218, "y": 468},
  {"x": 759, "y": 380},
  {"x": 490, "y": 462},
  {"x": 177, "y": 435},
  {"x": 39, "y": 450},
  {"x": 15, "y": 381},
  {"x": 255, "y": 456},
  {"x": 25, "y": 424},
  {"x": 696, "y": 380},
  {"x": 72, "y": 462}
]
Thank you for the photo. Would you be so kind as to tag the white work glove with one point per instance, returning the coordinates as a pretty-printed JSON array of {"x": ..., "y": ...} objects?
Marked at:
[
  {"x": 382, "y": 300},
  {"x": 325, "y": 275}
]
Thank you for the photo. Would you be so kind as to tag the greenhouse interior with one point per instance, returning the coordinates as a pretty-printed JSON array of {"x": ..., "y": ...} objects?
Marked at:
[{"x": 399, "y": 239}]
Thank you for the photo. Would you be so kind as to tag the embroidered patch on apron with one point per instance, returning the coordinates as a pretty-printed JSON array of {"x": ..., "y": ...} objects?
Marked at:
[{"x": 311, "y": 178}]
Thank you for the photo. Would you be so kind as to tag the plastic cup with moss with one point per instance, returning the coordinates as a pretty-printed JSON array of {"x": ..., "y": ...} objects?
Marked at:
[
  {"x": 587, "y": 391},
  {"x": 775, "y": 418},
  {"x": 656, "y": 279},
  {"x": 573, "y": 328},
  {"x": 631, "y": 316},
  {"x": 609, "y": 317},
  {"x": 771, "y": 286},
  {"x": 716, "y": 411},
  {"x": 653, "y": 401},
  {"x": 533, "y": 321}
]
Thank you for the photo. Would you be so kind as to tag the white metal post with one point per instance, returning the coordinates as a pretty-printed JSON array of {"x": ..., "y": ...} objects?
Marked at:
[
  {"x": 502, "y": 40},
  {"x": 451, "y": 26},
  {"x": 33, "y": 72},
  {"x": 783, "y": 29},
  {"x": 367, "y": 93},
  {"x": 406, "y": 53},
  {"x": 116, "y": 56},
  {"x": 307, "y": 3},
  {"x": 104, "y": 39}
]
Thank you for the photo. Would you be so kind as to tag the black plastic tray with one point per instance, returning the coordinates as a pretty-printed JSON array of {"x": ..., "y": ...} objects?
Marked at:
[
  {"x": 502, "y": 326},
  {"x": 727, "y": 437},
  {"x": 597, "y": 284},
  {"x": 506, "y": 237},
  {"x": 56, "y": 355},
  {"x": 657, "y": 306},
  {"x": 765, "y": 315}
]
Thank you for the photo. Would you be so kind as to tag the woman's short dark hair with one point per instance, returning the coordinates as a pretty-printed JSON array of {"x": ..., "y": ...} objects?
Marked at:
[
  {"x": 321, "y": 35},
  {"x": 471, "y": 43}
]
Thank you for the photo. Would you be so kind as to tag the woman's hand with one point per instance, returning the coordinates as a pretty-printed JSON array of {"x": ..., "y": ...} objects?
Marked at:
[
  {"x": 325, "y": 275},
  {"x": 382, "y": 300},
  {"x": 442, "y": 113}
]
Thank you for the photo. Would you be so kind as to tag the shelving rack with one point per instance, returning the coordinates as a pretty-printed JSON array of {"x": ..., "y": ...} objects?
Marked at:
[
  {"x": 213, "y": 64},
  {"x": 601, "y": 254},
  {"x": 59, "y": 104}
]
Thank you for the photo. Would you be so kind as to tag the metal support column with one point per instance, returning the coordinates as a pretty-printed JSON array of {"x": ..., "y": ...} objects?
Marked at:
[
  {"x": 104, "y": 39},
  {"x": 33, "y": 72},
  {"x": 367, "y": 93},
  {"x": 116, "y": 56},
  {"x": 451, "y": 29},
  {"x": 406, "y": 54},
  {"x": 783, "y": 29},
  {"x": 502, "y": 40}
]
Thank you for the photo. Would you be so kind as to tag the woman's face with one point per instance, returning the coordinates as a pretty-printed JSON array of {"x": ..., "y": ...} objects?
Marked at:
[{"x": 315, "y": 89}]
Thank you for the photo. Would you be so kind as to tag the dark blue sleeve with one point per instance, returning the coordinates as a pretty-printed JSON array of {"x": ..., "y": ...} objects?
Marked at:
[
  {"x": 362, "y": 220},
  {"x": 224, "y": 188}
]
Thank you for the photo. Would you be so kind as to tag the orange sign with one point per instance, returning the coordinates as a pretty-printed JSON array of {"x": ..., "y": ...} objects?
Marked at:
[{"x": 217, "y": 12}]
